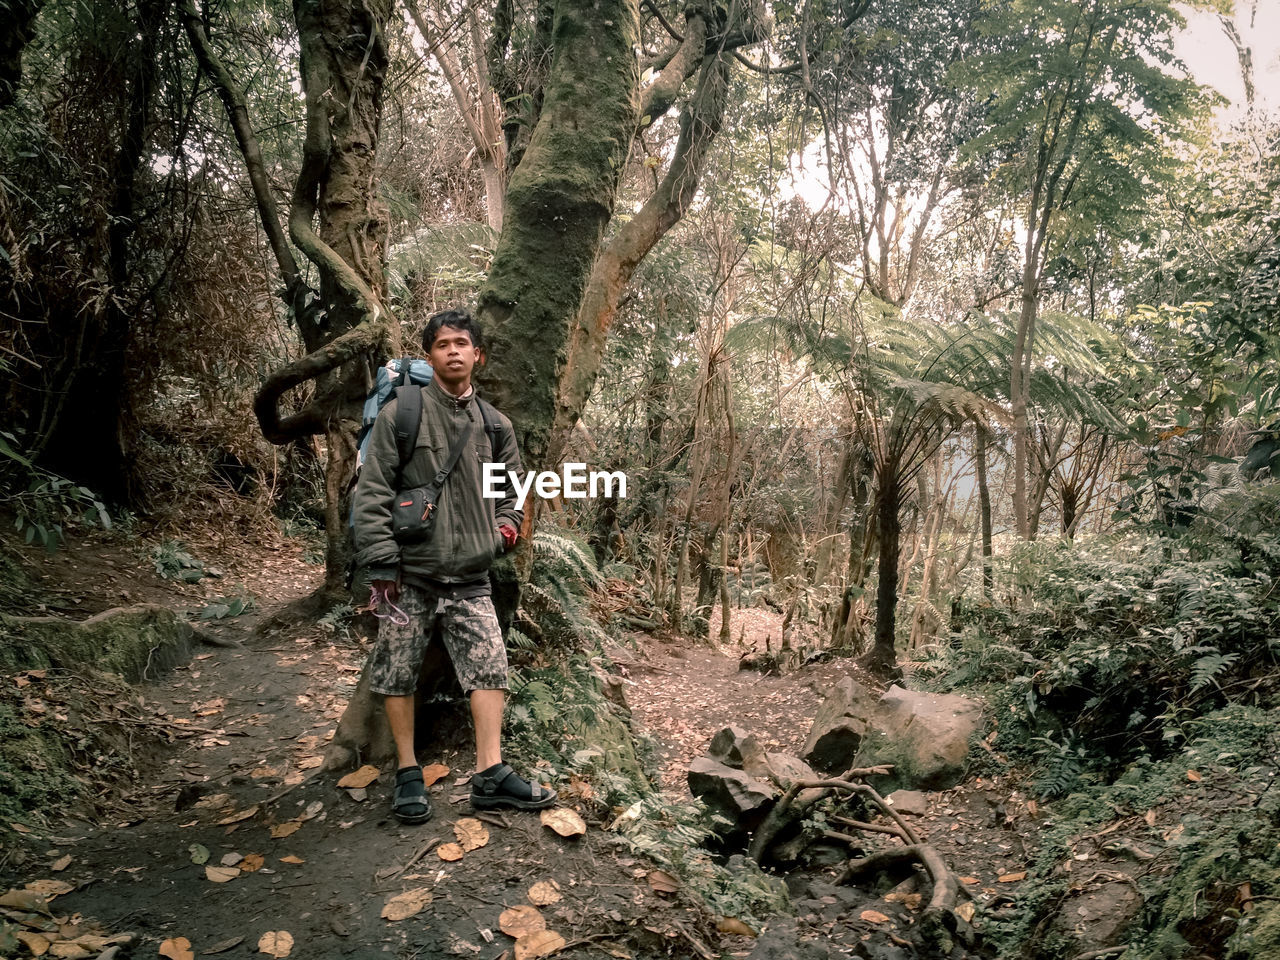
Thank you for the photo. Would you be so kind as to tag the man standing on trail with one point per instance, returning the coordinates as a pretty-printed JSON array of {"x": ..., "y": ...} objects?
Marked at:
[{"x": 442, "y": 580}]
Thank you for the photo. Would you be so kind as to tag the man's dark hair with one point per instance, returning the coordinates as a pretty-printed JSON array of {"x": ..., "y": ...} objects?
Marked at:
[{"x": 459, "y": 318}]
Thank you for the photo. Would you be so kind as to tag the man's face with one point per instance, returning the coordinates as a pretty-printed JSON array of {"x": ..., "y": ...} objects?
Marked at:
[{"x": 453, "y": 356}]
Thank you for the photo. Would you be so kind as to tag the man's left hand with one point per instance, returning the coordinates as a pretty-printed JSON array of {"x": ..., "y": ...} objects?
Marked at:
[{"x": 509, "y": 535}]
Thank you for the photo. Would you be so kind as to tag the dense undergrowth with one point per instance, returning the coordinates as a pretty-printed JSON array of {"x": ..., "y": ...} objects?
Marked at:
[
  {"x": 1137, "y": 676},
  {"x": 563, "y": 721}
]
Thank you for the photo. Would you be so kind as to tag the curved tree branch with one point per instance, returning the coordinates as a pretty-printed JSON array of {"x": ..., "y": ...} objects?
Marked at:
[
  {"x": 233, "y": 98},
  {"x": 700, "y": 122},
  {"x": 317, "y": 416}
]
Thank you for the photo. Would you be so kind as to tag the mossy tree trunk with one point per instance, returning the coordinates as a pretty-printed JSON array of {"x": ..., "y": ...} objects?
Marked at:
[
  {"x": 337, "y": 221},
  {"x": 559, "y": 201}
]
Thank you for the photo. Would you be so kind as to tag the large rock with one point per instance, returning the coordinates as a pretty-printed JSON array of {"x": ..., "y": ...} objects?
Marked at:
[
  {"x": 838, "y": 729},
  {"x": 924, "y": 736},
  {"x": 734, "y": 795},
  {"x": 1094, "y": 919},
  {"x": 726, "y": 746},
  {"x": 777, "y": 768}
]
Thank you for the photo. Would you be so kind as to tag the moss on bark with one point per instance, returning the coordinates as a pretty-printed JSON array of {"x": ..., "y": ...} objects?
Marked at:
[
  {"x": 134, "y": 642},
  {"x": 559, "y": 202}
]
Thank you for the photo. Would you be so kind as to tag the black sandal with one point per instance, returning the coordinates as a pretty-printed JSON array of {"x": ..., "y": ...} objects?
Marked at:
[
  {"x": 409, "y": 803},
  {"x": 500, "y": 786}
]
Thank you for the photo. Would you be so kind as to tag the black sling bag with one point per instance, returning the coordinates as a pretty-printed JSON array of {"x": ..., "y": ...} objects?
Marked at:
[{"x": 414, "y": 512}]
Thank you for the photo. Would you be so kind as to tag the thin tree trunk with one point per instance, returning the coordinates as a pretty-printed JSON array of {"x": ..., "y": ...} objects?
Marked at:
[
  {"x": 984, "y": 506},
  {"x": 882, "y": 658}
]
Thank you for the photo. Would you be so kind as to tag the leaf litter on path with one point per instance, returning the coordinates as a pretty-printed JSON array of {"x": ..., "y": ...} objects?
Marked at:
[{"x": 407, "y": 904}]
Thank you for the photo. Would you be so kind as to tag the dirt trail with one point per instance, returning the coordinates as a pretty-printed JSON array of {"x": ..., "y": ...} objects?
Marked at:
[
  {"x": 282, "y": 848},
  {"x": 239, "y": 790}
]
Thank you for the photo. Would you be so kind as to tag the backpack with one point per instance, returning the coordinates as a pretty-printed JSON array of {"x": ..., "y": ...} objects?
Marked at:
[{"x": 404, "y": 379}]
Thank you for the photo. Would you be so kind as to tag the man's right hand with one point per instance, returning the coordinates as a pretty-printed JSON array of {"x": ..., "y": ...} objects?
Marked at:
[{"x": 389, "y": 588}]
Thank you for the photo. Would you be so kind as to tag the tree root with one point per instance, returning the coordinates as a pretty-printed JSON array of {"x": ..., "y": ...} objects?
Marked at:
[
  {"x": 938, "y": 922},
  {"x": 803, "y": 794}
]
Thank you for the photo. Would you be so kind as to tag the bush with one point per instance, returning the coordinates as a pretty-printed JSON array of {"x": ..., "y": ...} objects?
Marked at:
[{"x": 1106, "y": 652}]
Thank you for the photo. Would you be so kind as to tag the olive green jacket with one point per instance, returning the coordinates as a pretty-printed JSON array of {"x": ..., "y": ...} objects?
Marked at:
[{"x": 465, "y": 539}]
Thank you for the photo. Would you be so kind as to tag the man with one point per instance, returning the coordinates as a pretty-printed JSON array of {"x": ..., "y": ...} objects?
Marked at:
[{"x": 444, "y": 580}]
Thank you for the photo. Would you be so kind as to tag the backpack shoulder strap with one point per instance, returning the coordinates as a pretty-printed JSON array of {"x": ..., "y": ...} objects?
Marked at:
[
  {"x": 492, "y": 425},
  {"x": 408, "y": 420},
  {"x": 405, "y": 363}
]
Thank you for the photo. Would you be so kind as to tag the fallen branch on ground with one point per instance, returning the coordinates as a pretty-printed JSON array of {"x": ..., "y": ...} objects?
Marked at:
[
  {"x": 803, "y": 794},
  {"x": 938, "y": 920}
]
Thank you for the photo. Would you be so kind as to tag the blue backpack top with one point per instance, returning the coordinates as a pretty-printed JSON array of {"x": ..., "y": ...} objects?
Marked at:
[{"x": 392, "y": 374}]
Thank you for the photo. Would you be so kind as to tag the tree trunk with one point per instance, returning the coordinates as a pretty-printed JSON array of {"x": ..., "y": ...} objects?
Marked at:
[
  {"x": 559, "y": 201},
  {"x": 90, "y": 437},
  {"x": 984, "y": 506},
  {"x": 21, "y": 30},
  {"x": 882, "y": 659},
  {"x": 725, "y": 635}
]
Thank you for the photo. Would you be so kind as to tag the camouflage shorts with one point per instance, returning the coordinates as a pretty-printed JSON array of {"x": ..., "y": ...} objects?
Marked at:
[{"x": 471, "y": 636}]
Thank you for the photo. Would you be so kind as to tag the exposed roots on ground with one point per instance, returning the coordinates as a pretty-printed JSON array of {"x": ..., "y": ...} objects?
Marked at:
[
  {"x": 803, "y": 794},
  {"x": 938, "y": 922}
]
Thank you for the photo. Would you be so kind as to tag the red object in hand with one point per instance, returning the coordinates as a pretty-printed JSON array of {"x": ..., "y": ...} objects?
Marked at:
[{"x": 509, "y": 535}]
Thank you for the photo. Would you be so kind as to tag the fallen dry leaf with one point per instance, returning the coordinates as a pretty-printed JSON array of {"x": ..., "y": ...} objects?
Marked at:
[
  {"x": 221, "y": 874},
  {"x": 543, "y": 943},
  {"x": 360, "y": 778},
  {"x": 873, "y": 916},
  {"x": 734, "y": 927},
  {"x": 544, "y": 893},
  {"x": 27, "y": 900},
  {"x": 450, "y": 852},
  {"x": 177, "y": 948},
  {"x": 1194, "y": 776},
  {"x": 970, "y": 880},
  {"x": 239, "y": 817},
  {"x": 282, "y": 830},
  {"x": 310, "y": 763},
  {"x": 60, "y": 864},
  {"x": 49, "y": 888},
  {"x": 34, "y": 942},
  {"x": 1150, "y": 818},
  {"x": 358, "y": 794},
  {"x": 222, "y": 946},
  {"x": 434, "y": 773},
  {"x": 520, "y": 921},
  {"x": 405, "y": 905},
  {"x": 276, "y": 943},
  {"x": 292, "y": 859},
  {"x": 231, "y": 859},
  {"x": 263, "y": 773},
  {"x": 662, "y": 882},
  {"x": 912, "y": 900},
  {"x": 252, "y": 862},
  {"x": 314, "y": 809},
  {"x": 69, "y": 950},
  {"x": 966, "y": 912},
  {"x": 214, "y": 801},
  {"x": 1012, "y": 877},
  {"x": 471, "y": 834},
  {"x": 564, "y": 822}
]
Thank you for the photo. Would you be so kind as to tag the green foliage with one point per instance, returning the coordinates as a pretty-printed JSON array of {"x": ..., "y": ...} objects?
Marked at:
[
  {"x": 173, "y": 562},
  {"x": 560, "y": 719},
  {"x": 672, "y": 833},
  {"x": 1113, "y": 648},
  {"x": 555, "y": 596},
  {"x": 42, "y": 502},
  {"x": 1209, "y": 836},
  {"x": 222, "y": 608}
]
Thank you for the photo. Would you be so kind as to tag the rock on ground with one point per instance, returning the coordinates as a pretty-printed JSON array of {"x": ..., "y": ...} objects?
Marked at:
[
  {"x": 840, "y": 725},
  {"x": 924, "y": 736}
]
